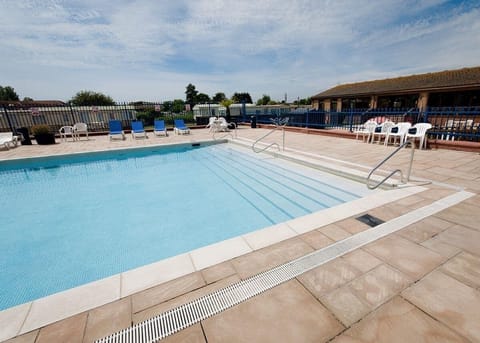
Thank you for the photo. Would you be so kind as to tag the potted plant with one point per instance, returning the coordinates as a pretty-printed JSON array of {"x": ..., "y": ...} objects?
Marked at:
[{"x": 42, "y": 134}]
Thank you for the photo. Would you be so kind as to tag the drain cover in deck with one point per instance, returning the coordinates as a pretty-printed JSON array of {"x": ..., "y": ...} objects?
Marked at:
[{"x": 370, "y": 220}]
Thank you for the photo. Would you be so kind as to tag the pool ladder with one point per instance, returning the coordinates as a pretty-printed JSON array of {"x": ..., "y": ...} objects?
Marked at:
[
  {"x": 402, "y": 179},
  {"x": 279, "y": 124}
]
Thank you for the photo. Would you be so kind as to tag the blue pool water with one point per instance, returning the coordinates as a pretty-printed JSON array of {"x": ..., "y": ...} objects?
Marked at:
[{"x": 67, "y": 221}]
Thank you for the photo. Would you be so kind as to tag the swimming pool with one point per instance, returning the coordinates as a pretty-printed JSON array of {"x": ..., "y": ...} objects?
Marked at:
[{"x": 74, "y": 219}]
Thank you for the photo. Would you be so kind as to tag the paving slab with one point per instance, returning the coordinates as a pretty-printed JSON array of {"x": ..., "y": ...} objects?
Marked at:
[
  {"x": 448, "y": 301},
  {"x": 398, "y": 322},
  {"x": 287, "y": 313}
]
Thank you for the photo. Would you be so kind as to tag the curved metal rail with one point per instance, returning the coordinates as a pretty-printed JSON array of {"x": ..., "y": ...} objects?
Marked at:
[
  {"x": 279, "y": 124},
  {"x": 227, "y": 133},
  {"x": 374, "y": 186}
]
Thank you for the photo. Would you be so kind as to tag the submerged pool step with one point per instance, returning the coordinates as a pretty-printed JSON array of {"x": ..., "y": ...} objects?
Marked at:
[{"x": 288, "y": 188}]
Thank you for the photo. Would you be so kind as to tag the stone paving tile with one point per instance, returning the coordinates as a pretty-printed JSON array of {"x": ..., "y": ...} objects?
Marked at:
[
  {"x": 410, "y": 258},
  {"x": 218, "y": 272},
  {"x": 379, "y": 285},
  {"x": 361, "y": 260},
  {"x": 464, "y": 214},
  {"x": 464, "y": 267},
  {"x": 345, "y": 305},
  {"x": 325, "y": 278},
  {"x": 69, "y": 330},
  {"x": 424, "y": 229},
  {"x": 441, "y": 247},
  {"x": 352, "y": 225},
  {"x": 398, "y": 322},
  {"x": 166, "y": 291},
  {"x": 192, "y": 334},
  {"x": 462, "y": 237},
  {"x": 25, "y": 338},
  {"x": 316, "y": 239},
  {"x": 449, "y": 301},
  {"x": 269, "y": 257},
  {"x": 183, "y": 299},
  {"x": 107, "y": 319},
  {"x": 287, "y": 313},
  {"x": 334, "y": 232}
]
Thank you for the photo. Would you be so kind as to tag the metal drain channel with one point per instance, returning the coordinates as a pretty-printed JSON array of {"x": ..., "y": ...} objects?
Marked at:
[{"x": 179, "y": 318}]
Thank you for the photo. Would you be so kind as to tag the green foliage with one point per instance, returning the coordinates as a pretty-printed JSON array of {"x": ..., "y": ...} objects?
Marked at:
[
  {"x": 8, "y": 94},
  {"x": 178, "y": 106},
  {"x": 202, "y": 98},
  {"x": 89, "y": 98},
  {"x": 219, "y": 97},
  {"x": 264, "y": 100},
  {"x": 146, "y": 116},
  {"x": 306, "y": 101},
  {"x": 191, "y": 95},
  {"x": 40, "y": 129},
  {"x": 242, "y": 97},
  {"x": 27, "y": 99}
]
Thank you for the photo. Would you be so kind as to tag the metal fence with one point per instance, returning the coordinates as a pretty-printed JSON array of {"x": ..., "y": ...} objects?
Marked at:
[
  {"x": 96, "y": 117},
  {"x": 448, "y": 123}
]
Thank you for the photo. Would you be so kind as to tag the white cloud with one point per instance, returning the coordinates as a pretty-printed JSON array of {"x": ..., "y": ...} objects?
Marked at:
[{"x": 151, "y": 50}]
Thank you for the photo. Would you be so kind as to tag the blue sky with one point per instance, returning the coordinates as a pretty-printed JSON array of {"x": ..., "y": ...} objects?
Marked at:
[{"x": 151, "y": 49}]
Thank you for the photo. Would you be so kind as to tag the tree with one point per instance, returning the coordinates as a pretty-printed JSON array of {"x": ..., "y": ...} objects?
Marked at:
[
  {"x": 307, "y": 101},
  {"x": 191, "y": 95},
  {"x": 167, "y": 106},
  {"x": 264, "y": 100},
  {"x": 8, "y": 94},
  {"x": 202, "y": 98},
  {"x": 219, "y": 97},
  {"x": 89, "y": 98},
  {"x": 242, "y": 97},
  {"x": 27, "y": 99},
  {"x": 178, "y": 106}
]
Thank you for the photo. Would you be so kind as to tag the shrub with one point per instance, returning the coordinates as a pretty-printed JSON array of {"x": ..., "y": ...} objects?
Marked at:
[{"x": 40, "y": 129}]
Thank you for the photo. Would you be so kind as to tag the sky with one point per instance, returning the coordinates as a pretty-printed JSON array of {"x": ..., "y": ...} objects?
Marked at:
[{"x": 150, "y": 50}]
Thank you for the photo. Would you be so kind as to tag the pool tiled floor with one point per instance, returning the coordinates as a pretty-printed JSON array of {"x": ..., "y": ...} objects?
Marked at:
[{"x": 421, "y": 283}]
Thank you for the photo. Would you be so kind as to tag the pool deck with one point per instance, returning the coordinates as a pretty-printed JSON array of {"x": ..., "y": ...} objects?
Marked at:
[{"x": 420, "y": 283}]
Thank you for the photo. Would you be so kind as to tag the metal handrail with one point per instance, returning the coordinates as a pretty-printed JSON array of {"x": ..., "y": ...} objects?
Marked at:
[
  {"x": 226, "y": 134},
  {"x": 396, "y": 170},
  {"x": 278, "y": 124}
]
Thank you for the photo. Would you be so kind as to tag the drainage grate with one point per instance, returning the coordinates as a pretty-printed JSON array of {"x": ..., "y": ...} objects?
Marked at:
[
  {"x": 370, "y": 220},
  {"x": 195, "y": 311}
]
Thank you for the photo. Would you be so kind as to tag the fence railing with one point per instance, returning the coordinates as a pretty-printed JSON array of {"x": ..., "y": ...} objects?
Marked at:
[
  {"x": 457, "y": 123},
  {"x": 448, "y": 123},
  {"x": 96, "y": 117}
]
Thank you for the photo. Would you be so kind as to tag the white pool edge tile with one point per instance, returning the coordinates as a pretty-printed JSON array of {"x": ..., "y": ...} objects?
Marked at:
[
  {"x": 269, "y": 235},
  {"x": 12, "y": 319},
  {"x": 64, "y": 304},
  {"x": 219, "y": 252},
  {"x": 147, "y": 276}
]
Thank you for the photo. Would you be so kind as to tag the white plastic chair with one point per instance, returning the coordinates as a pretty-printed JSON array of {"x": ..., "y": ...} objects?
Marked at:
[
  {"x": 367, "y": 130},
  {"x": 222, "y": 125},
  {"x": 66, "y": 131},
  {"x": 212, "y": 124},
  {"x": 400, "y": 133},
  {"x": 385, "y": 128},
  {"x": 7, "y": 138},
  {"x": 421, "y": 131},
  {"x": 78, "y": 129}
]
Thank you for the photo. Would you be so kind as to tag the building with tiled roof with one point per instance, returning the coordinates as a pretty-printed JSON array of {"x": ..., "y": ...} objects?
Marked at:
[{"x": 460, "y": 87}]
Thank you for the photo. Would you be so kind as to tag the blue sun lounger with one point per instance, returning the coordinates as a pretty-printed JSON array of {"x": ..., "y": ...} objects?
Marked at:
[
  {"x": 180, "y": 127},
  {"x": 137, "y": 130},
  {"x": 116, "y": 131},
  {"x": 159, "y": 127}
]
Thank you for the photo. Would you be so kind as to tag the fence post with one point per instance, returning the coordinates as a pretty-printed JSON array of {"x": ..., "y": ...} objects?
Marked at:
[
  {"x": 71, "y": 112},
  {"x": 306, "y": 119},
  {"x": 351, "y": 118},
  {"x": 8, "y": 119}
]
